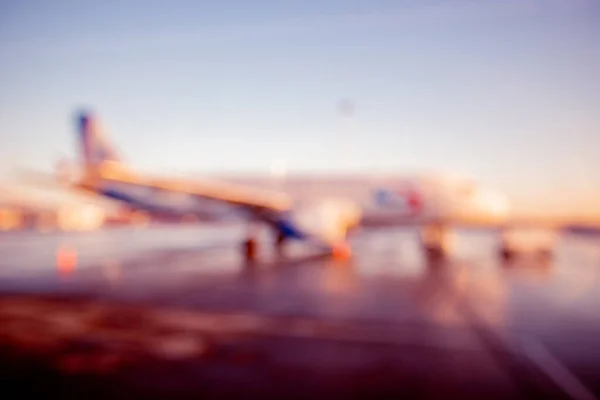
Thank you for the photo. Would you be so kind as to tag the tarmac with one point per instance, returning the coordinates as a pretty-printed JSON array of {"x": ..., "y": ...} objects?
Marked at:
[{"x": 176, "y": 312}]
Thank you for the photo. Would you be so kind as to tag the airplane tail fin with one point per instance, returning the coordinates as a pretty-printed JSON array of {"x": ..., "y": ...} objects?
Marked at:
[{"x": 95, "y": 147}]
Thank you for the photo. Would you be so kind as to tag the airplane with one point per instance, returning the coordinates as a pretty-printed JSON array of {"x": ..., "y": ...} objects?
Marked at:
[{"x": 318, "y": 210}]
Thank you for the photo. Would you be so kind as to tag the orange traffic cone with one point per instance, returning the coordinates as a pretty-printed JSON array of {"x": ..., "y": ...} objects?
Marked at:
[
  {"x": 342, "y": 251},
  {"x": 66, "y": 260}
]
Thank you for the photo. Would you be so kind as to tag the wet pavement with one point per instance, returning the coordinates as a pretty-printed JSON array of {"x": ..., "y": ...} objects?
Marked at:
[{"x": 176, "y": 312}]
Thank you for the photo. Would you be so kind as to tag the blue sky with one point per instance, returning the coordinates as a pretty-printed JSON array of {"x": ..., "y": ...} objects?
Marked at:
[{"x": 506, "y": 91}]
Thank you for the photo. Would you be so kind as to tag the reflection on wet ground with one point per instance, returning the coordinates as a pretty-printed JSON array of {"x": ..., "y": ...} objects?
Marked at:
[{"x": 177, "y": 312}]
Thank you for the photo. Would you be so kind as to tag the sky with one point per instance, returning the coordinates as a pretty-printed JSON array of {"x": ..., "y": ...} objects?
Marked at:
[{"x": 507, "y": 92}]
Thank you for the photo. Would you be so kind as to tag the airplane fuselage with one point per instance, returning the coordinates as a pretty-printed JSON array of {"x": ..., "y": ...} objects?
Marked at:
[{"x": 403, "y": 198}]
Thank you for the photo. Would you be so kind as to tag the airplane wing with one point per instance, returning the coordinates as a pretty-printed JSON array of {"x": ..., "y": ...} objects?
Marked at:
[
  {"x": 233, "y": 194},
  {"x": 108, "y": 177}
]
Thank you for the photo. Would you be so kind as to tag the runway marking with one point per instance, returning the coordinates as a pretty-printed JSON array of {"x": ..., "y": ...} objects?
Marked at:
[{"x": 555, "y": 370}]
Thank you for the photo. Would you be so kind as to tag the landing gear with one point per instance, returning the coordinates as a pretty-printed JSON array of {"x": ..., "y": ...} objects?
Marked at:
[
  {"x": 434, "y": 253},
  {"x": 250, "y": 249},
  {"x": 534, "y": 244},
  {"x": 280, "y": 241},
  {"x": 250, "y": 245},
  {"x": 437, "y": 242},
  {"x": 506, "y": 254}
]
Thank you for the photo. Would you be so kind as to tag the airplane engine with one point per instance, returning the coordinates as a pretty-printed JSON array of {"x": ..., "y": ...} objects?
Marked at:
[{"x": 328, "y": 219}]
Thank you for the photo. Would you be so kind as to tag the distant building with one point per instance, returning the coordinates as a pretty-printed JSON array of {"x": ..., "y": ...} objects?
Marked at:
[
  {"x": 65, "y": 218},
  {"x": 10, "y": 218}
]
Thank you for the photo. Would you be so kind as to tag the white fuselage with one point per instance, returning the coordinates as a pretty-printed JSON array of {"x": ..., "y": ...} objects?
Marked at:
[
  {"x": 387, "y": 199},
  {"x": 395, "y": 197}
]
